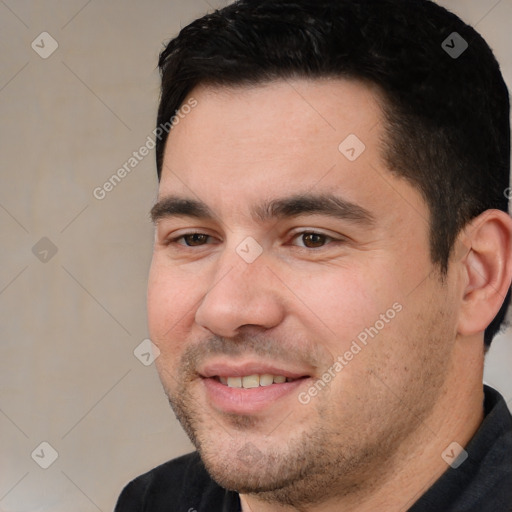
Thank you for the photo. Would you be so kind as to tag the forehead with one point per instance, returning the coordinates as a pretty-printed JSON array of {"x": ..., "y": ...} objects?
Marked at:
[
  {"x": 298, "y": 105},
  {"x": 242, "y": 144},
  {"x": 274, "y": 126}
]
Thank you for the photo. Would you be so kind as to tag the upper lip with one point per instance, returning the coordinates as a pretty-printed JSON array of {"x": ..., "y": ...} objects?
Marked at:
[{"x": 231, "y": 369}]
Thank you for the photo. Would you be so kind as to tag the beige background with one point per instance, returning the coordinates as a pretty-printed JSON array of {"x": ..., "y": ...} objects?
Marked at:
[{"x": 69, "y": 326}]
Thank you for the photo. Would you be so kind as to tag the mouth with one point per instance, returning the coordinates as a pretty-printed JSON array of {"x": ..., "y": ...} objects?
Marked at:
[
  {"x": 254, "y": 381},
  {"x": 250, "y": 388}
]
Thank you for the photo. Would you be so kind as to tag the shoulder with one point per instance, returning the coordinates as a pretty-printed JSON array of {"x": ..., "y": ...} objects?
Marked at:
[
  {"x": 483, "y": 481},
  {"x": 183, "y": 483}
]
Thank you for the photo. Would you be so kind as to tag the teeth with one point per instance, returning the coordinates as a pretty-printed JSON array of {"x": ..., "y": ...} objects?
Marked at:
[
  {"x": 235, "y": 382},
  {"x": 266, "y": 379},
  {"x": 253, "y": 381}
]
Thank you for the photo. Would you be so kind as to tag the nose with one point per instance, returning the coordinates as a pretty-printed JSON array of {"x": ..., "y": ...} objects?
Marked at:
[{"x": 241, "y": 295}]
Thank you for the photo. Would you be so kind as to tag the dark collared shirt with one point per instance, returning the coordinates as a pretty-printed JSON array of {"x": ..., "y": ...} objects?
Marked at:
[{"x": 482, "y": 483}]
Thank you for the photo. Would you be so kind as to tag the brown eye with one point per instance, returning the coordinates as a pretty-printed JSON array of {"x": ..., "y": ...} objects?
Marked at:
[
  {"x": 195, "y": 239},
  {"x": 313, "y": 240}
]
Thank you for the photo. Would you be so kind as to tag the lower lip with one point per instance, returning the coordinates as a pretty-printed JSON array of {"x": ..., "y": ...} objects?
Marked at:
[{"x": 248, "y": 401}]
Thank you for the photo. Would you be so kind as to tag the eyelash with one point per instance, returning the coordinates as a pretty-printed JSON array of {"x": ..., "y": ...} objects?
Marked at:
[{"x": 327, "y": 239}]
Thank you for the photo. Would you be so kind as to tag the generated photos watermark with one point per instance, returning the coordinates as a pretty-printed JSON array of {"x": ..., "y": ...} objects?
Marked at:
[
  {"x": 133, "y": 161},
  {"x": 357, "y": 345}
]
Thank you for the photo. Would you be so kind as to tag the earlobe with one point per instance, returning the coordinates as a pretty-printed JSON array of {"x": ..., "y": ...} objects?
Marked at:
[{"x": 487, "y": 269}]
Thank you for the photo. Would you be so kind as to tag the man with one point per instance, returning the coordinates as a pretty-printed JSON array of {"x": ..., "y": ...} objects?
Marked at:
[{"x": 332, "y": 260}]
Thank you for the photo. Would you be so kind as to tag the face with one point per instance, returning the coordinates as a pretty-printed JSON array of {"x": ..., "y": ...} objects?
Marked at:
[{"x": 304, "y": 333}]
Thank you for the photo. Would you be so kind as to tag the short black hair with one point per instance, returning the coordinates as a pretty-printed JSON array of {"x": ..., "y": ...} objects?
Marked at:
[{"x": 447, "y": 115}]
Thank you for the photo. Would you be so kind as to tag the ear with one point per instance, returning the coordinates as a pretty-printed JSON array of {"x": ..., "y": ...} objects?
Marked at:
[{"x": 487, "y": 269}]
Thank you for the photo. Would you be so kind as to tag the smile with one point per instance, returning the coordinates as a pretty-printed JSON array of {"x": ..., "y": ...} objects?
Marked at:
[{"x": 253, "y": 381}]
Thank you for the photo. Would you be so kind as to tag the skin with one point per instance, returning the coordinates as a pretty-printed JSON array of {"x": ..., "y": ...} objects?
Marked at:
[{"x": 373, "y": 438}]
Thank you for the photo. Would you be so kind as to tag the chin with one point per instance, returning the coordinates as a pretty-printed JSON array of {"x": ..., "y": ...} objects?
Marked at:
[{"x": 245, "y": 477}]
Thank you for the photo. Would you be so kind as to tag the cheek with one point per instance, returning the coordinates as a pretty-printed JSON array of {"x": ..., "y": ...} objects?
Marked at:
[
  {"x": 342, "y": 301},
  {"x": 170, "y": 304}
]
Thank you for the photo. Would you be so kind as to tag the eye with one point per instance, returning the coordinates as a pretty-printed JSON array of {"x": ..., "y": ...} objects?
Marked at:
[
  {"x": 312, "y": 240},
  {"x": 192, "y": 239}
]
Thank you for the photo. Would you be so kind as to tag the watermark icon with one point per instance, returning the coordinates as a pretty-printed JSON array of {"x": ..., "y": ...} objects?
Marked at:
[
  {"x": 249, "y": 454},
  {"x": 249, "y": 250},
  {"x": 454, "y": 455},
  {"x": 44, "y": 45},
  {"x": 146, "y": 352},
  {"x": 44, "y": 250},
  {"x": 343, "y": 360},
  {"x": 454, "y": 45},
  {"x": 133, "y": 161},
  {"x": 45, "y": 455},
  {"x": 352, "y": 147}
]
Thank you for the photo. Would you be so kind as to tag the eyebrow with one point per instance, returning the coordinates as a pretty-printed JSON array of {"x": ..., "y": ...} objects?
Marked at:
[
  {"x": 172, "y": 206},
  {"x": 287, "y": 207}
]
